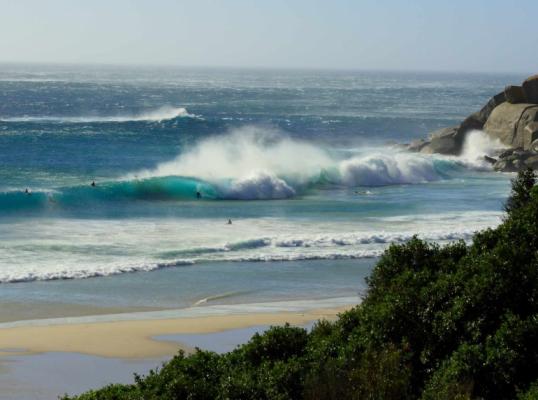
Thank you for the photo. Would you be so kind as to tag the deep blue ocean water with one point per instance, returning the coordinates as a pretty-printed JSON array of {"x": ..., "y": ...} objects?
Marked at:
[{"x": 303, "y": 163}]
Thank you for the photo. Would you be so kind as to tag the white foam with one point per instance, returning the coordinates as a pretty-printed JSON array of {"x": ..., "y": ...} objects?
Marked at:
[
  {"x": 71, "y": 249},
  {"x": 160, "y": 114}
]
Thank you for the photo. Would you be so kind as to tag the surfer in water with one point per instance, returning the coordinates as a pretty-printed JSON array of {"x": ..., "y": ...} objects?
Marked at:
[
  {"x": 27, "y": 192},
  {"x": 229, "y": 222},
  {"x": 198, "y": 195},
  {"x": 93, "y": 184}
]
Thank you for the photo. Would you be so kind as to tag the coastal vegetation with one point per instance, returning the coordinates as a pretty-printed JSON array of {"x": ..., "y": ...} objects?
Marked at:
[{"x": 437, "y": 322}]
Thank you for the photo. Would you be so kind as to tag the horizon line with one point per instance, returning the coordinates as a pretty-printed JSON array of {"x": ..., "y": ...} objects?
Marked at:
[{"x": 258, "y": 67}]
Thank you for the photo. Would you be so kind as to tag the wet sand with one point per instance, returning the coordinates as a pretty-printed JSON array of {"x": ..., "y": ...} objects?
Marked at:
[
  {"x": 21, "y": 311},
  {"x": 136, "y": 338}
]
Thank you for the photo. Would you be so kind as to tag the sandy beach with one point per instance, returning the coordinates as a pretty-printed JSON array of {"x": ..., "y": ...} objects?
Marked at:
[{"x": 136, "y": 338}]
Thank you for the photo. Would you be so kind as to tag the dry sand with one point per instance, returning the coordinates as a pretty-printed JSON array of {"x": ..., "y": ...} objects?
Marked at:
[{"x": 134, "y": 339}]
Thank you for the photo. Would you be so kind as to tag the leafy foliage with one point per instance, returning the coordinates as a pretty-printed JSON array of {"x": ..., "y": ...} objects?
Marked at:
[{"x": 452, "y": 322}]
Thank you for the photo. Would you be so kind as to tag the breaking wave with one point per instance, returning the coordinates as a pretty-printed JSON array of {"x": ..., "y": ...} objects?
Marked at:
[
  {"x": 253, "y": 164},
  {"x": 160, "y": 114},
  {"x": 320, "y": 247},
  {"x": 256, "y": 164},
  {"x": 321, "y": 242}
]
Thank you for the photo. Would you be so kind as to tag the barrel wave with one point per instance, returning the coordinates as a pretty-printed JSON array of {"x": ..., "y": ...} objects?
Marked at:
[{"x": 250, "y": 164}]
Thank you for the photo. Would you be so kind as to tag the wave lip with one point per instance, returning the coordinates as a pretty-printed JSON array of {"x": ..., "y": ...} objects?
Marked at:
[{"x": 161, "y": 114}]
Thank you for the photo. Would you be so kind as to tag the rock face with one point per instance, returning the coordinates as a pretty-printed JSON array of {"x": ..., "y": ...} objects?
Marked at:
[
  {"x": 417, "y": 145},
  {"x": 443, "y": 141},
  {"x": 514, "y": 160},
  {"x": 483, "y": 115},
  {"x": 513, "y": 124},
  {"x": 515, "y": 94},
  {"x": 530, "y": 87}
]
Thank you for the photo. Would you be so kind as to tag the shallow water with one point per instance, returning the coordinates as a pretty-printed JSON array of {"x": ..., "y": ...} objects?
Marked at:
[
  {"x": 207, "y": 284},
  {"x": 49, "y": 375}
]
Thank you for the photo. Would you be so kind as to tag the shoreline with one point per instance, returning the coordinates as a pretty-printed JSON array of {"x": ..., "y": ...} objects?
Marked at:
[
  {"x": 135, "y": 335},
  {"x": 17, "y": 311}
]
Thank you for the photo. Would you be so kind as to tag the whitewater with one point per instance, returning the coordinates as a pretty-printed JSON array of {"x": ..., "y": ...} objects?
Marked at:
[{"x": 306, "y": 166}]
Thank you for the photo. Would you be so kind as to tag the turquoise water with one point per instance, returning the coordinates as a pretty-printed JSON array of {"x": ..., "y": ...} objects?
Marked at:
[{"x": 303, "y": 163}]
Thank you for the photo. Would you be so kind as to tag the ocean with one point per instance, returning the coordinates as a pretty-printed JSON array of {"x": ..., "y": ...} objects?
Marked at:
[{"x": 304, "y": 164}]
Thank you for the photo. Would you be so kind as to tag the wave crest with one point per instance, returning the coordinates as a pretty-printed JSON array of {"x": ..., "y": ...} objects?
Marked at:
[{"x": 157, "y": 115}]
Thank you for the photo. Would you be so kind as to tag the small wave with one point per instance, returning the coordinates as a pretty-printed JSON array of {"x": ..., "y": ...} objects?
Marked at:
[
  {"x": 321, "y": 247},
  {"x": 19, "y": 277},
  {"x": 321, "y": 242},
  {"x": 221, "y": 296},
  {"x": 157, "y": 115},
  {"x": 151, "y": 266}
]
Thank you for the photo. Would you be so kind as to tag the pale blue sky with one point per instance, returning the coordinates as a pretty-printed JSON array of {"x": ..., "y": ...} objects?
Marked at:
[{"x": 471, "y": 35}]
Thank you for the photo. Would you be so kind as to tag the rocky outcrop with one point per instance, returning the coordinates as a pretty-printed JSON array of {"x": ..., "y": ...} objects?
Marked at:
[
  {"x": 510, "y": 116},
  {"x": 482, "y": 116},
  {"x": 417, "y": 145},
  {"x": 530, "y": 87},
  {"x": 450, "y": 140},
  {"x": 443, "y": 141},
  {"x": 513, "y": 160},
  {"x": 515, "y": 94}
]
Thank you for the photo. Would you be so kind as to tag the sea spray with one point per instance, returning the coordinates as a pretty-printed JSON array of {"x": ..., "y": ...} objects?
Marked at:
[
  {"x": 477, "y": 145},
  {"x": 236, "y": 154},
  {"x": 254, "y": 163}
]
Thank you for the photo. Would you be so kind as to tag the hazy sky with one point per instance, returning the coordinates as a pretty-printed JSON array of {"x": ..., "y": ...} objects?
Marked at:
[{"x": 464, "y": 35}]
